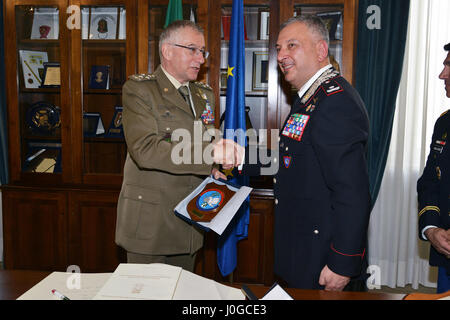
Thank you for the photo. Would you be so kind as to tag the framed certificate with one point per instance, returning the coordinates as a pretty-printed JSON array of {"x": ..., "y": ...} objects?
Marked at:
[
  {"x": 52, "y": 75},
  {"x": 33, "y": 67}
]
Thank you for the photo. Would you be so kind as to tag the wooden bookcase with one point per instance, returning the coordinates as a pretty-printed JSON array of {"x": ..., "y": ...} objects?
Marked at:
[{"x": 67, "y": 216}]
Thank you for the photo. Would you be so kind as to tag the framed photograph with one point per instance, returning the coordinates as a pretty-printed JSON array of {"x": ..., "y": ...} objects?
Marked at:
[
  {"x": 52, "y": 75},
  {"x": 99, "y": 78},
  {"x": 223, "y": 79},
  {"x": 103, "y": 23},
  {"x": 45, "y": 24},
  {"x": 260, "y": 71},
  {"x": 264, "y": 17}
]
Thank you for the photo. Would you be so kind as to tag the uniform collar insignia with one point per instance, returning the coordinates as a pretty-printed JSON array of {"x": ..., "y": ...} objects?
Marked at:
[{"x": 327, "y": 75}]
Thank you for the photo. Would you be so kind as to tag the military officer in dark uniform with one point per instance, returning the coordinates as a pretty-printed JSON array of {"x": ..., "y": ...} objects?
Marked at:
[
  {"x": 322, "y": 201},
  {"x": 154, "y": 106},
  {"x": 433, "y": 190}
]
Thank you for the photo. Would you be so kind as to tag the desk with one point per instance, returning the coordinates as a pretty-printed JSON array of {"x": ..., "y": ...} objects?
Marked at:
[
  {"x": 300, "y": 294},
  {"x": 13, "y": 283}
]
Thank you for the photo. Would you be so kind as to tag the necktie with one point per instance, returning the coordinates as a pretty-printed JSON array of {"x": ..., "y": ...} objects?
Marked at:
[{"x": 185, "y": 93}]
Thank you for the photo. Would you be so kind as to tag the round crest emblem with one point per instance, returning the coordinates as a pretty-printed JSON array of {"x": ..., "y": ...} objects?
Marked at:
[
  {"x": 210, "y": 200},
  {"x": 43, "y": 117}
]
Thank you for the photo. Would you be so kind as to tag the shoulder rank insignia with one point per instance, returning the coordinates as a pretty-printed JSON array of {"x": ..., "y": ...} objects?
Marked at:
[
  {"x": 203, "y": 85},
  {"x": 142, "y": 77},
  {"x": 332, "y": 87}
]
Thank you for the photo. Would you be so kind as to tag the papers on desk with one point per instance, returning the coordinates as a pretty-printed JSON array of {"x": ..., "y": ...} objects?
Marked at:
[
  {"x": 135, "y": 282},
  {"x": 84, "y": 288},
  {"x": 276, "y": 293}
]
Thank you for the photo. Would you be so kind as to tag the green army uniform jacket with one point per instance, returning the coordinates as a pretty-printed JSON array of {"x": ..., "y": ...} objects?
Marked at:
[{"x": 153, "y": 184}]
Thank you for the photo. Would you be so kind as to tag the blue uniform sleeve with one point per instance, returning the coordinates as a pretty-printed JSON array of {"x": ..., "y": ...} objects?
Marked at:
[
  {"x": 428, "y": 189},
  {"x": 339, "y": 139}
]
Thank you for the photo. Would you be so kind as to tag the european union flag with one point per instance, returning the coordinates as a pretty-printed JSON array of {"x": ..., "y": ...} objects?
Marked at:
[{"x": 235, "y": 129}]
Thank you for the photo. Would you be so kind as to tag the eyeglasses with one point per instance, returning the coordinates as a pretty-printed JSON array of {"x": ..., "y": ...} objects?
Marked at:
[{"x": 194, "y": 50}]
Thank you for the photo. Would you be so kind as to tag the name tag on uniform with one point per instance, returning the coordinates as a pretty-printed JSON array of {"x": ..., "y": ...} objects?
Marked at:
[{"x": 295, "y": 126}]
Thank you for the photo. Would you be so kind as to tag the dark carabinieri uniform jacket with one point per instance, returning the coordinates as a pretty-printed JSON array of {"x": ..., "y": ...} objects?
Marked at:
[
  {"x": 322, "y": 203},
  {"x": 433, "y": 187}
]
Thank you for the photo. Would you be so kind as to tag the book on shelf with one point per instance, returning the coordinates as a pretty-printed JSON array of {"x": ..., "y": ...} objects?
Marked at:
[{"x": 226, "y": 24}]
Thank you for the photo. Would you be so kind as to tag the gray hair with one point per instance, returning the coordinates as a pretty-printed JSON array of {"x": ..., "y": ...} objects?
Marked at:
[
  {"x": 173, "y": 28},
  {"x": 314, "y": 23}
]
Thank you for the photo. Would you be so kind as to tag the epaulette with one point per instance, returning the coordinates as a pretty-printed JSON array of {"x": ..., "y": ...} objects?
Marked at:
[
  {"x": 142, "y": 77},
  {"x": 203, "y": 85},
  {"x": 326, "y": 76},
  {"x": 444, "y": 114},
  {"x": 331, "y": 87}
]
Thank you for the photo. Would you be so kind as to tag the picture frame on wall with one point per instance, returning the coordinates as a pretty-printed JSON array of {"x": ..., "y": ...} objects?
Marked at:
[
  {"x": 264, "y": 18},
  {"x": 260, "y": 71}
]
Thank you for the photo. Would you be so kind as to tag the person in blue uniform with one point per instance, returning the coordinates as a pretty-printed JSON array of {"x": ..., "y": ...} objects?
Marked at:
[
  {"x": 322, "y": 201},
  {"x": 433, "y": 189}
]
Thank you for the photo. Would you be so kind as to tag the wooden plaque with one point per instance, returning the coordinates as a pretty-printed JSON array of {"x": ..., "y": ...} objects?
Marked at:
[{"x": 208, "y": 203}]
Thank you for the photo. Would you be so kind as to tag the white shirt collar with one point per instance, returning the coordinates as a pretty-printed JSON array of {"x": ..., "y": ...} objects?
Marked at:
[{"x": 310, "y": 82}]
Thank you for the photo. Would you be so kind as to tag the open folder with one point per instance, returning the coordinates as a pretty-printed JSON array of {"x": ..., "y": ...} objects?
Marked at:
[{"x": 155, "y": 281}]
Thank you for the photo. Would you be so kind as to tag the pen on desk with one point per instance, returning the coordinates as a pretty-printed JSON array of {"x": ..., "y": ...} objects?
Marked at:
[{"x": 59, "y": 295}]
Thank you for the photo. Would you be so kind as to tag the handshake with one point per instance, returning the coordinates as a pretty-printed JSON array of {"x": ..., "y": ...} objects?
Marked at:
[{"x": 228, "y": 153}]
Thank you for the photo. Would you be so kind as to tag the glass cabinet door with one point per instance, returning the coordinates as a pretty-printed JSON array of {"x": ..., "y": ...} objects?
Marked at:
[
  {"x": 103, "y": 69},
  {"x": 39, "y": 84}
]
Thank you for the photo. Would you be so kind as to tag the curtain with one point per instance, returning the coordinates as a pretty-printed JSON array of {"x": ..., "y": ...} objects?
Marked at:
[
  {"x": 3, "y": 129},
  {"x": 393, "y": 235},
  {"x": 379, "y": 63}
]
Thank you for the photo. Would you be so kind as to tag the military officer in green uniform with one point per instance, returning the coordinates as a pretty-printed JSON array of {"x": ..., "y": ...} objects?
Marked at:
[{"x": 155, "y": 106}]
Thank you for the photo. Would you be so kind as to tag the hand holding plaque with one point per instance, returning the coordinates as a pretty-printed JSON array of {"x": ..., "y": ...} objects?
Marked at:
[{"x": 228, "y": 153}]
